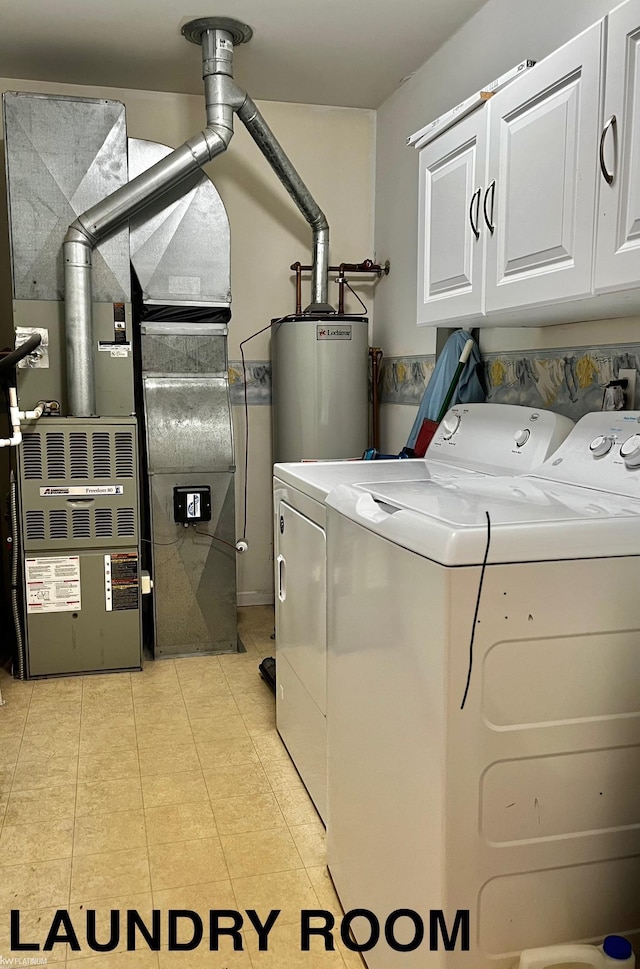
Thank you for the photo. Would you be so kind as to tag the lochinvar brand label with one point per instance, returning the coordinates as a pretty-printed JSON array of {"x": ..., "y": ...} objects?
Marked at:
[
  {"x": 335, "y": 332},
  {"x": 84, "y": 492},
  {"x": 121, "y": 581}
]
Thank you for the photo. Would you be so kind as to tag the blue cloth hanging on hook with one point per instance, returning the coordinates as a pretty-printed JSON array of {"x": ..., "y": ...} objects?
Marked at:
[{"x": 470, "y": 389}]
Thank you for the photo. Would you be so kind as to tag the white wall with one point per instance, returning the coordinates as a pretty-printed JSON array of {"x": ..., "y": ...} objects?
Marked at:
[
  {"x": 502, "y": 33},
  {"x": 333, "y": 150}
]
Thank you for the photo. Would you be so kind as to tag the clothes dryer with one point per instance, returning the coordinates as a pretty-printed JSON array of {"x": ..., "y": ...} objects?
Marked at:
[
  {"x": 484, "y": 702},
  {"x": 479, "y": 438}
]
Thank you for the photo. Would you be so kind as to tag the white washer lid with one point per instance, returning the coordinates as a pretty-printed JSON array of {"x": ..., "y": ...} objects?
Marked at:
[{"x": 530, "y": 520}]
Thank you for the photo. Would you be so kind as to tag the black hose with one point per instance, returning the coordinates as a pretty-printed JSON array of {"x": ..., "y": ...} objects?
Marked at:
[
  {"x": 11, "y": 359},
  {"x": 19, "y": 669}
]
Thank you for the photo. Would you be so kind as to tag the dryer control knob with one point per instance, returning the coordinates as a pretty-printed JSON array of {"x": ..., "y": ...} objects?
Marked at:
[
  {"x": 521, "y": 437},
  {"x": 630, "y": 451},
  {"x": 450, "y": 425},
  {"x": 601, "y": 445}
]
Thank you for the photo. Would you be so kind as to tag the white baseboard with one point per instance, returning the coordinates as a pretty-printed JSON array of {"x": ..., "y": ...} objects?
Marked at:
[{"x": 255, "y": 599}]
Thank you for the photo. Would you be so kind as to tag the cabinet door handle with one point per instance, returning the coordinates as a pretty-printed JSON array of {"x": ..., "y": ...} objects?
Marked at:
[
  {"x": 282, "y": 578},
  {"x": 489, "y": 218},
  {"x": 474, "y": 222},
  {"x": 611, "y": 123}
]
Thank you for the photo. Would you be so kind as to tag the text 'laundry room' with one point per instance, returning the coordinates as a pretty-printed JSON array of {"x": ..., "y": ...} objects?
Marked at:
[{"x": 320, "y": 485}]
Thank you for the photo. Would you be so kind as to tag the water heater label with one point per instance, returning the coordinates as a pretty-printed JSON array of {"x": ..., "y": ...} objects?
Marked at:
[
  {"x": 324, "y": 332},
  {"x": 84, "y": 492},
  {"x": 53, "y": 584}
]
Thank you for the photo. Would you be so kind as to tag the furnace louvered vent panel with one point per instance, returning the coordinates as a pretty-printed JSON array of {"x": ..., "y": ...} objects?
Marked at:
[
  {"x": 35, "y": 531},
  {"x": 56, "y": 456},
  {"x": 58, "y": 524},
  {"x": 32, "y": 457},
  {"x": 126, "y": 522},
  {"x": 125, "y": 465},
  {"x": 101, "y": 447},
  {"x": 79, "y": 456},
  {"x": 103, "y": 522},
  {"x": 81, "y": 523}
]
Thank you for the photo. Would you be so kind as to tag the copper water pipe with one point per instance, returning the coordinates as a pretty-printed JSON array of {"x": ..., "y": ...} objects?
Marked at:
[
  {"x": 361, "y": 267},
  {"x": 376, "y": 356}
]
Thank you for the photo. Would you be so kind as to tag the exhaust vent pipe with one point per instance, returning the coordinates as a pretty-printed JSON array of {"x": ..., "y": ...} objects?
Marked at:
[{"x": 217, "y": 37}]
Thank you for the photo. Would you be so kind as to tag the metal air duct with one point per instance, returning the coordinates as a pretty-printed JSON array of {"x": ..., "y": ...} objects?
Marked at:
[{"x": 223, "y": 97}]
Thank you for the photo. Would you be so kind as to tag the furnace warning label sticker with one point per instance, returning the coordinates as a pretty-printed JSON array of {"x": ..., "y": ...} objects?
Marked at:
[
  {"x": 53, "y": 584},
  {"x": 121, "y": 581}
]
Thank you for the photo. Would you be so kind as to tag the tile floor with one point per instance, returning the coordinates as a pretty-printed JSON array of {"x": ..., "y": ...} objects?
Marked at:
[{"x": 165, "y": 789}]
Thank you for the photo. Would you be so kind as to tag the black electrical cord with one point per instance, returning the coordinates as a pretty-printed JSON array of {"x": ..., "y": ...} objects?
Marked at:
[
  {"x": 475, "y": 615},
  {"x": 280, "y": 319},
  {"x": 355, "y": 294},
  {"x": 216, "y": 539},
  {"x": 150, "y": 541}
]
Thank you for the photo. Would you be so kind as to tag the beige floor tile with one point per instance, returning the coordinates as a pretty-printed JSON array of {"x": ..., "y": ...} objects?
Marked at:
[
  {"x": 106, "y": 683},
  {"x": 6, "y": 780},
  {"x": 116, "y": 732},
  {"x": 193, "y": 665},
  {"x": 156, "y": 680},
  {"x": 142, "y": 959},
  {"x": 32, "y": 843},
  {"x": 323, "y": 887},
  {"x": 260, "y": 618},
  {"x": 168, "y": 733},
  {"x": 246, "y": 680},
  {"x": 180, "y": 788},
  {"x": 260, "y": 853},
  {"x": 13, "y": 715},
  {"x": 49, "y": 732},
  {"x": 9, "y": 750},
  {"x": 38, "y": 771},
  {"x": 226, "y": 958},
  {"x": 109, "y": 874},
  {"x": 289, "y": 891},
  {"x": 261, "y": 704},
  {"x": 35, "y": 885},
  {"x": 284, "y": 951},
  {"x": 95, "y": 834},
  {"x": 297, "y": 807},
  {"x": 211, "y": 707},
  {"x": 101, "y": 706},
  {"x": 311, "y": 842},
  {"x": 108, "y": 765},
  {"x": 149, "y": 710},
  {"x": 271, "y": 748},
  {"x": 159, "y": 760},
  {"x": 34, "y": 927},
  {"x": 186, "y": 863},
  {"x": 253, "y": 812},
  {"x": 180, "y": 822},
  {"x": 229, "y": 752},
  {"x": 236, "y": 780},
  {"x": 143, "y": 904},
  {"x": 212, "y": 684},
  {"x": 283, "y": 776},
  {"x": 207, "y": 730},
  {"x": 109, "y": 796},
  {"x": 58, "y": 687},
  {"x": 199, "y": 899}
]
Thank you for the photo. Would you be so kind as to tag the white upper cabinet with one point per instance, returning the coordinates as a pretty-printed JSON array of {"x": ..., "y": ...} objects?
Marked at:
[
  {"x": 539, "y": 200},
  {"x": 450, "y": 223},
  {"x": 618, "y": 245}
]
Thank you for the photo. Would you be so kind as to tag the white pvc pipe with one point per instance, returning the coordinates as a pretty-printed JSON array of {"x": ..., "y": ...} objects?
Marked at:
[{"x": 14, "y": 419}]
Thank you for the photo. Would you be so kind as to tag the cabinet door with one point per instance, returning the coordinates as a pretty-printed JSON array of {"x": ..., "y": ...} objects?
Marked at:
[
  {"x": 618, "y": 245},
  {"x": 540, "y": 198},
  {"x": 450, "y": 238}
]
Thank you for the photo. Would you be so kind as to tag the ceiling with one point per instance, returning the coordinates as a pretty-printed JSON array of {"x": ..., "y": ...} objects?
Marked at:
[{"x": 353, "y": 53}]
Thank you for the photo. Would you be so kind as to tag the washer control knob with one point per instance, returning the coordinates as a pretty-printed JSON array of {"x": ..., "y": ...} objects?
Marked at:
[
  {"x": 521, "y": 437},
  {"x": 450, "y": 425},
  {"x": 601, "y": 445},
  {"x": 630, "y": 451}
]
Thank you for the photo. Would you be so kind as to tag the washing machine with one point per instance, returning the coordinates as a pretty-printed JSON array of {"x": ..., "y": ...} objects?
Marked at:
[
  {"x": 474, "y": 438},
  {"x": 484, "y": 704}
]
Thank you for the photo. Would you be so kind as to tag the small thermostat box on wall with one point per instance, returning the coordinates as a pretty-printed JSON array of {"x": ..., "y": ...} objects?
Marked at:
[{"x": 191, "y": 504}]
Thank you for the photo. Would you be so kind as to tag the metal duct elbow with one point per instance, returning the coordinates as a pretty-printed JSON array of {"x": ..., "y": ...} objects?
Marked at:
[{"x": 284, "y": 169}]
